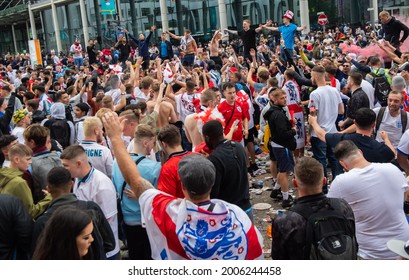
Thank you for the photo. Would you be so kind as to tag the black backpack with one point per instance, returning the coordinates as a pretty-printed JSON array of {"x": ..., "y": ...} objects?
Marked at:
[
  {"x": 59, "y": 131},
  {"x": 329, "y": 234},
  {"x": 382, "y": 87}
]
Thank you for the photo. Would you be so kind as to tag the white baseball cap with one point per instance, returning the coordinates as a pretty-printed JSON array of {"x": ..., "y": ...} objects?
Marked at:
[{"x": 399, "y": 247}]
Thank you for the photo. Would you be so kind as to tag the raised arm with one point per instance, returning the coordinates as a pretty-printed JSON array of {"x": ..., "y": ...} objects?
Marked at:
[
  {"x": 205, "y": 81},
  {"x": 174, "y": 36},
  {"x": 137, "y": 71},
  {"x": 301, "y": 28},
  {"x": 131, "y": 36},
  {"x": 153, "y": 28},
  {"x": 49, "y": 82},
  {"x": 131, "y": 72},
  {"x": 269, "y": 27},
  {"x": 304, "y": 57},
  {"x": 214, "y": 38},
  {"x": 234, "y": 32},
  {"x": 253, "y": 58},
  {"x": 127, "y": 166},
  {"x": 169, "y": 94},
  {"x": 250, "y": 77},
  {"x": 162, "y": 88},
  {"x": 390, "y": 53},
  {"x": 236, "y": 60},
  {"x": 159, "y": 74}
]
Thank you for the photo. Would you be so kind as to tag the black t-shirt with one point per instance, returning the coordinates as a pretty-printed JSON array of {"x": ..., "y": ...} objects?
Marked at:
[
  {"x": 92, "y": 56},
  {"x": 372, "y": 150},
  {"x": 231, "y": 183},
  {"x": 249, "y": 40},
  {"x": 124, "y": 51}
]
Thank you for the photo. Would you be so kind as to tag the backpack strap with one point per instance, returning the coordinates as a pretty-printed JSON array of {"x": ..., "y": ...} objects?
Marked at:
[
  {"x": 124, "y": 184},
  {"x": 307, "y": 211},
  {"x": 379, "y": 118},
  {"x": 404, "y": 120}
]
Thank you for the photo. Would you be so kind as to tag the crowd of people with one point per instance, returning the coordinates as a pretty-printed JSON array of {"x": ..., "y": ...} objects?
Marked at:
[{"x": 152, "y": 147}]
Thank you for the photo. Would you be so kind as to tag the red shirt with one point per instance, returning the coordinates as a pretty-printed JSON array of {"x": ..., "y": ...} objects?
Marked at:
[
  {"x": 227, "y": 110},
  {"x": 169, "y": 180},
  {"x": 243, "y": 99}
]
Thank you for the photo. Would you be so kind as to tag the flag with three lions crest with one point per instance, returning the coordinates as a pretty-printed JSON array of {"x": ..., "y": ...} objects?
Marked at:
[{"x": 179, "y": 229}]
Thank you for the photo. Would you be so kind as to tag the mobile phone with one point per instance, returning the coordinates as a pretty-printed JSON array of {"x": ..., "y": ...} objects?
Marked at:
[
  {"x": 236, "y": 122},
  {"x": 394, "y": 67}
]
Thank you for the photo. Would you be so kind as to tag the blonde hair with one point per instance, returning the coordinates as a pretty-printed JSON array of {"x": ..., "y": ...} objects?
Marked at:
[
  {"x": 247, "y": 20},
  {"x": 143, "y": 131},
  {"x": 277, "y": 93},
  {"x": 90, "y": 124},
  {"x": 384, "y": 13}
]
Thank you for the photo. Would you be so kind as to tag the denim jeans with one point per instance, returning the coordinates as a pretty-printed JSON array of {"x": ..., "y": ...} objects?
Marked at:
[
  {"x": 321, "y": 152},
  {"x": 78, "y": 62},
  {"x": 284, "y": 57}
]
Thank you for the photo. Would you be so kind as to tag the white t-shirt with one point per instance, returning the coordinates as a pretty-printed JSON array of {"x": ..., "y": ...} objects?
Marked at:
[
  {"x": 97, "y": 187},
  {"x": 326, "y": 100},
  {"x": 391, "y": 125},
  {"x": 79, "y": 130},
  {"x": 370, "y": 92},
  {"x": 78, "y": 99},
  {"x": 115, "y": 94},
  {"x": 18, "y": 132},
  {"x": 76, "y": 50},
  {"x": 139, "y": 95},
  {"x": 184, "y": 105},
  {"x": 99, "y": 156},
  {"x": 375, "y": 194},
  {"x": 403, "y": 146}
]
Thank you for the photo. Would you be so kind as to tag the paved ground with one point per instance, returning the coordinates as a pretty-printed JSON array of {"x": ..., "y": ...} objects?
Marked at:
[{"x": 260, "y": 197}]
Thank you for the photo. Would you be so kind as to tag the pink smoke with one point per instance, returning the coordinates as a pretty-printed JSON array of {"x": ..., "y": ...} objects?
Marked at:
[
  {"x": 373, "y": 49},
  {"x": 368, "y": 51}
]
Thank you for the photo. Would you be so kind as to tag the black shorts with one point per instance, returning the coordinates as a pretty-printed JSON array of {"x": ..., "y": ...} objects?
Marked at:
[
  {"x": 252, "y": 134},
  {"x": 284, "y": 158},
  {"x": 188, "y": 59}
]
